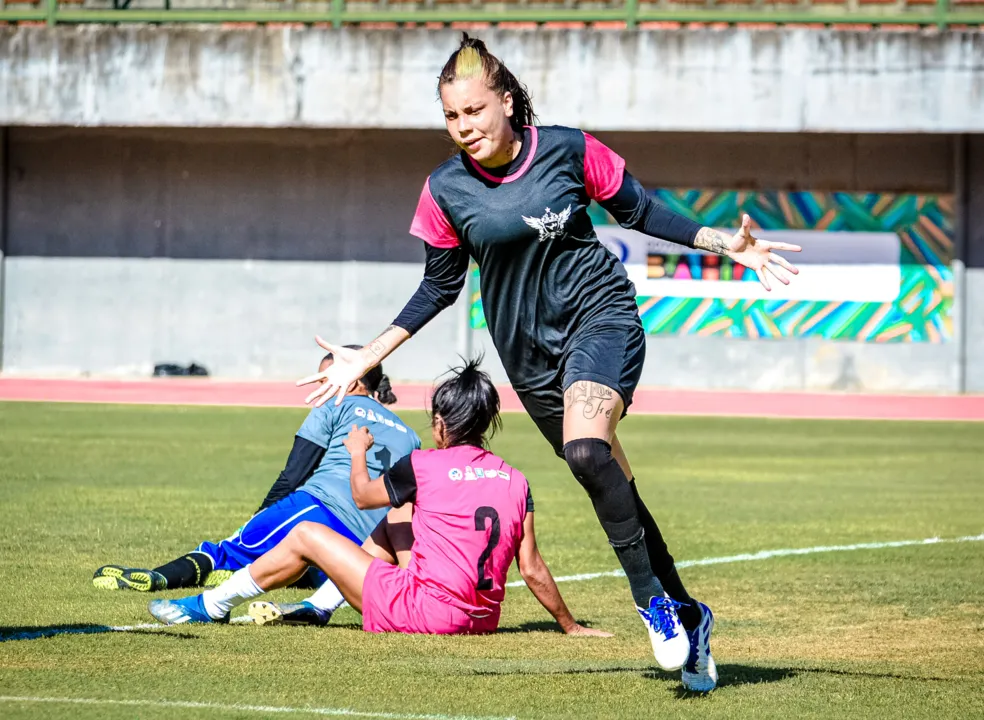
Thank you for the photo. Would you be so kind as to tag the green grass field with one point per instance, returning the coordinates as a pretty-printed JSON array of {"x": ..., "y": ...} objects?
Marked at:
[{"x": 875, "y": 633}]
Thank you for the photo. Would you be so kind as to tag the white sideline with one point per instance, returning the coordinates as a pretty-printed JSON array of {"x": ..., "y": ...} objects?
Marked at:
[
  {"x": 766, "y": 554},
  {"x": 745, "y": 557},
  {"x": 330, "y": 712}
]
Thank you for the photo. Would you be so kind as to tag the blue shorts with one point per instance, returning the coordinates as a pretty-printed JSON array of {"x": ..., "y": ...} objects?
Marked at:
[{"x": 268, "y": 527}]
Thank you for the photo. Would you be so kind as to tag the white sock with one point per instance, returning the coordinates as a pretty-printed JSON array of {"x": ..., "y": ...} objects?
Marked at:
[
  {"x": 327, "y": 597},
  {"x": 234, "y": 591}
]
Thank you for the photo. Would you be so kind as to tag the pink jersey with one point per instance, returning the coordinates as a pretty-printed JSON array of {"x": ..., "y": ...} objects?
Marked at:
[{"x": 469, "y": 507}]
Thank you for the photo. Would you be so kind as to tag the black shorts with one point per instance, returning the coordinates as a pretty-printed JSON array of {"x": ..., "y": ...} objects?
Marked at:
[{"x": 610, "y": 356}]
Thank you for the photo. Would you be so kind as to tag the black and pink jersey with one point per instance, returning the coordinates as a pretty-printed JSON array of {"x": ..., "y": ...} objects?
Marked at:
[{"x": 543, "y": 270}]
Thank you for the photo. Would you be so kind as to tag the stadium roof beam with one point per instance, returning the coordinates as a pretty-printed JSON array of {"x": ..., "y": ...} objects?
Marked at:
[{"x": 941, "y": 14}]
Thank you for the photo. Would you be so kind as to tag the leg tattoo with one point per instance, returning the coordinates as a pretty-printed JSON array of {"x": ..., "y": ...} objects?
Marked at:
[{"x": 595, "y": 398}]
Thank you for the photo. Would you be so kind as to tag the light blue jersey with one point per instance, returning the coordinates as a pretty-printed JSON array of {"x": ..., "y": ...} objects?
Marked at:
[{"x": 328, "y": 426}]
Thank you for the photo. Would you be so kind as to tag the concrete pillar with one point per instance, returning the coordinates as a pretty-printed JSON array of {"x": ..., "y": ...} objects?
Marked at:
[
  {"x": 3, "y": 228},
  {"x": 973, "y": 257}
]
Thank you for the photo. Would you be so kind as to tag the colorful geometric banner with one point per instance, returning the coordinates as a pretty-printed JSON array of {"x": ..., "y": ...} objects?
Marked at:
[{"x": 850, "y": 252}]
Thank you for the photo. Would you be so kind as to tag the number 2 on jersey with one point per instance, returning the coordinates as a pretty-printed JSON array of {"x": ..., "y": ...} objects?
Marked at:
[{"x": 481, "y": 515}]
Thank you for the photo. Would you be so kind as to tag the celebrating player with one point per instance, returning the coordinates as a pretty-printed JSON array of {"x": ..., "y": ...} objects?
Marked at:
[
  {"x": 559, "y": 306},
  {"x": 472, "y": 515},
  {"x": 314, "y": 486}
]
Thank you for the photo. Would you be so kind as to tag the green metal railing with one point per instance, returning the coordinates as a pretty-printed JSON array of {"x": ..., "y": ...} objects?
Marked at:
[{"x": 941, "y": 14}]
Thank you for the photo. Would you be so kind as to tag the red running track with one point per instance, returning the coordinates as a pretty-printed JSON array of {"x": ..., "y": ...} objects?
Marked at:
[{"x": 202, "y": 391}]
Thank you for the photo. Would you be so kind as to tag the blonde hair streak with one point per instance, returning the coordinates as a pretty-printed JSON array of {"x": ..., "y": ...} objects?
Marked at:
[{"x": 468, "y": 64}]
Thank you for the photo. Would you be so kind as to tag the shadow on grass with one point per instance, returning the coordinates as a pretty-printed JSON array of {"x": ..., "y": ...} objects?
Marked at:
[
  {"x": 38, "y": 632},
  {"x": 528, "y": 627},
  {"x": 729, "y": 675},
  {"x": 874, "y": 675},
  {"x": 732, "y": 675},
  {"x": 536, "y": 626}
]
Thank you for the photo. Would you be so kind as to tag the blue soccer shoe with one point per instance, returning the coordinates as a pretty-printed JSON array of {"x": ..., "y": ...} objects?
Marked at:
[
  {"x": 700, "y": 673},
  {"x": 182, "y": 611}
]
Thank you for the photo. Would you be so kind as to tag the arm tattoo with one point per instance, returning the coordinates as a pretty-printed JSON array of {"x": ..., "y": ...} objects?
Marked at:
[
  {"x": 712, "y": 241},
  {"x": 376, "y": 347},
  {"x": 596, "y": 398}
]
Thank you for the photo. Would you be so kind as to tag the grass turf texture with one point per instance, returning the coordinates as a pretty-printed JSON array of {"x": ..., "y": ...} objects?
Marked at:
[{"x": 861, "y": 634}]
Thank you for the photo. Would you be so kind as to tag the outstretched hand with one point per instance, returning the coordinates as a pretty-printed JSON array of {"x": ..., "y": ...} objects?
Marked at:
[
  {"x": 346, "y": 370},
  {"x": 760, "y": 256}
]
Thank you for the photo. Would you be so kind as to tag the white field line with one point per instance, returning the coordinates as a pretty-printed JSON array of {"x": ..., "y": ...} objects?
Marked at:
[
  {"x": 727, "y": 559},
  {"x": 43, "y": 632},
  {"x": 766, "y": 554},
  {"x": 265, "y": 709}
]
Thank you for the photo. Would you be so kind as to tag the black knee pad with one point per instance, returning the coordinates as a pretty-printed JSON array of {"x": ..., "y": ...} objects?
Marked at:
[
  {"x": 589, "y": 459},
  {"x": 591, "y": 462}
]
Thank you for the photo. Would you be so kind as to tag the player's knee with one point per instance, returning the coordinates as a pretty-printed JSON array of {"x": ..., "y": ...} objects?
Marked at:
[
  {"x": 623, "y": 533},
  {"x": 589, "y": 459},
  {"x": 303, "y": 533}
]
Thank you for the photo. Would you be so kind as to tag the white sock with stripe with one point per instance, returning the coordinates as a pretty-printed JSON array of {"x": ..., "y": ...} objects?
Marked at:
[
  {"x": 327, "y": 597},
  {"x": 235, "y": 591}
]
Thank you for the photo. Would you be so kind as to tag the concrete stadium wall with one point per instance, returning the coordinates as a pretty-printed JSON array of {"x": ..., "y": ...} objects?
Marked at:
[
  {"x": 350, "y": 195},
  {"x": 739, "y": 79},
  {"x": 972, "y": 361},
  {"x": 253, "y": 319},
  {"x": 209, "y": 194},
  {"x": 231, "y": 248},
  {"x": 3, "y": 234}
]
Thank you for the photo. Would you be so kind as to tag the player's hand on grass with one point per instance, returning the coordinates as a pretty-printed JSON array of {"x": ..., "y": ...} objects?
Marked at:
[
  {"x": 359, "y": 440},
  {"x": 760, "y": 256},
  {"x": 581, "y": 631},
  {"x": 346, "y": 370}
]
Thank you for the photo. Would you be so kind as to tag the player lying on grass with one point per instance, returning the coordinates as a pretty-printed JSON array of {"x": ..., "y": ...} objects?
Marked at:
[
  {"x": 472, "y": 515},
  {"x": 314, "y": 487}
]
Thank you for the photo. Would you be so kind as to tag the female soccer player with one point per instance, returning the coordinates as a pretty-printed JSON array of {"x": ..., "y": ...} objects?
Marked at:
[
  {"x": 472, "y": 515},
  {"x": 314, "y": 486},
  {"x": 559, "y": 306}
]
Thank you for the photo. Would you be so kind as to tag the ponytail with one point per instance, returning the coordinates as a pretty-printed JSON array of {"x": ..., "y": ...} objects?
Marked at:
[
  {"x": 468, "y": 404},
  {"x": 384, "y": 391}
]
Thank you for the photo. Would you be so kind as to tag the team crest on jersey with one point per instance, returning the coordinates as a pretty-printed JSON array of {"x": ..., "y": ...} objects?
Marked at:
[
  {"x": 360, "y": 412},
  {"x": 551, "y": 225},
  {"x": 454, "y": 474}
]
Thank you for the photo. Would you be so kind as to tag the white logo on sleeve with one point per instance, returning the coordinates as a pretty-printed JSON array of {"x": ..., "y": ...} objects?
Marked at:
[
  {"x": 551, "y": 225},
  {"x": 454, "y": 474}
]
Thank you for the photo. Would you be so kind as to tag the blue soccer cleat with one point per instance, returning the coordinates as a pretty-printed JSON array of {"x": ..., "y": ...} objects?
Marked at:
[
  {"x": 302, "y": 613},
  {"x": 700, "y": 672},
  {"x": 182, "y": 611},
  {"x": 669, "y": 640}
]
